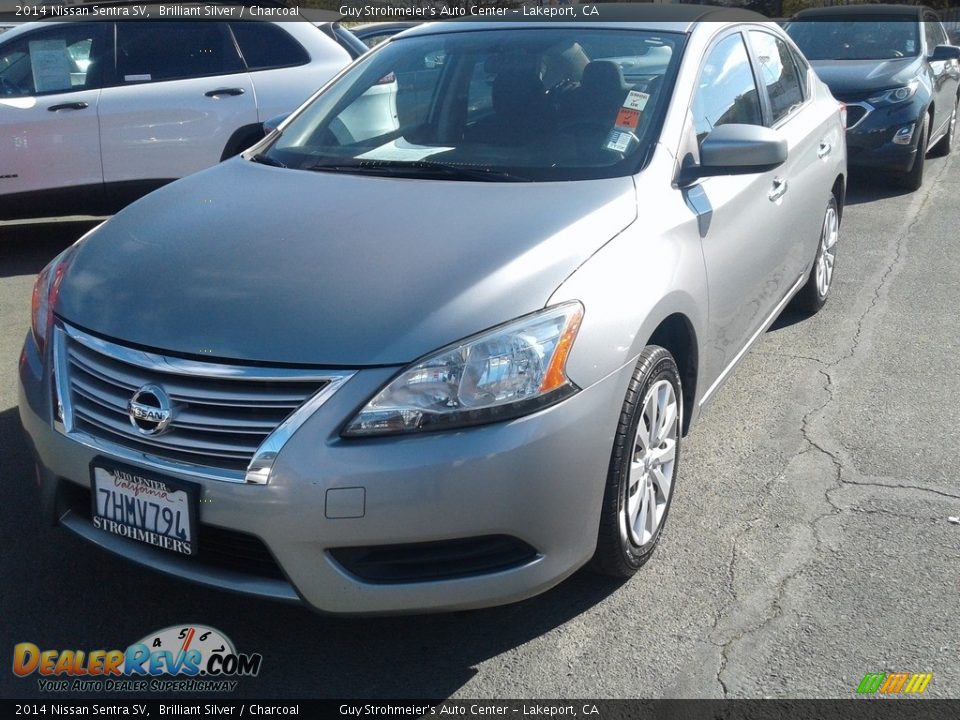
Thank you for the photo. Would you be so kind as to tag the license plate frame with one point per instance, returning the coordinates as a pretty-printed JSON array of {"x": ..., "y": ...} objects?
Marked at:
[{"x": 183, "y": 501}]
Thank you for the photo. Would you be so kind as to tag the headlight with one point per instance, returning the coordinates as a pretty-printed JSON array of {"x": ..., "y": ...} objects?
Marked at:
[
  {"x": 895, "y": 95},
  {"x": 45, "y": 290},
  {"x": 503, "y": 373}
]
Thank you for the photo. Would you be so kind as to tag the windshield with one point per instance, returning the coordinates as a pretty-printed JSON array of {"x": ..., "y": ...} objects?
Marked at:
[
  {"x": 870, "y": 37},
  {"x": 511, "y": 104}
]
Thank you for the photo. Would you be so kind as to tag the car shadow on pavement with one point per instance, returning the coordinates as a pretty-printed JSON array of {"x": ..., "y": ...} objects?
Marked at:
[
  {"x": 67, "y": 593},
  {"x": 864, "y": 187},
  {"x": 26, "y": 248}
]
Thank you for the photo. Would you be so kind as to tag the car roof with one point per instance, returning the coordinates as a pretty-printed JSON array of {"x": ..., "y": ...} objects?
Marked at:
[
  {"x": 664, "y": 18},
  {"x": 861, "y": 10}
]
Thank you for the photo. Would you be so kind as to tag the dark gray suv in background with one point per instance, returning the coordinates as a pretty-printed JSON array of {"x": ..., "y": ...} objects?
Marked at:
[{"x": 894, "y": 68}]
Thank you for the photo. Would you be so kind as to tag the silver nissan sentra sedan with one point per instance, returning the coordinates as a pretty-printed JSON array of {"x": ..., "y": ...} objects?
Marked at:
[{"x": 441, "y": 357}]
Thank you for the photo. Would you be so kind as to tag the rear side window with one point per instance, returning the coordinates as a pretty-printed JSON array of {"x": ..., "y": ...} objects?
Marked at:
[
  {"x": 778, "y": 73},
  {"x": 726, "y": 92},
  {"x": 60, "y": 59},
  {"x": 265, "y": 45},
  {"x": 149, "y": 52}
]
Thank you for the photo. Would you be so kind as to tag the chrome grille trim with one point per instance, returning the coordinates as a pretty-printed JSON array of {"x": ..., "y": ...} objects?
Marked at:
[
  {"x": 866, "y": 107},
  {"x": 228, "y": 426}
]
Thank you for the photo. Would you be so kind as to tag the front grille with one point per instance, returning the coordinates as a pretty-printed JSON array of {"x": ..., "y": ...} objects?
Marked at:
[
  {"x": 855, "y": 113},
  {"x": 441, "y": 560},
  {"x": 221, "y": 414}
]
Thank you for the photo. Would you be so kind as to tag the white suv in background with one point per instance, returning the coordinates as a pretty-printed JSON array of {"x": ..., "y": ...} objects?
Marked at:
[{"x": 96, "y": 114}]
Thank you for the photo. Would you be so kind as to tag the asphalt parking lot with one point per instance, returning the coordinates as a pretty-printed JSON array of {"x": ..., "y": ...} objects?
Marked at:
[{"x": 808, "y": 544}]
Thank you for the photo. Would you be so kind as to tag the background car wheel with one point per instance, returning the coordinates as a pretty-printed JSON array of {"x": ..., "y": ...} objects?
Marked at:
[
  {"x": 913, "y": 179},
  {"x": 813, "y": 295},
  {"x": 643, "y": 467},
  {"x": 945, "y": 144}
]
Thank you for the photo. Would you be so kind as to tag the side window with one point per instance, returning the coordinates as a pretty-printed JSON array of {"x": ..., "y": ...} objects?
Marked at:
[
  {"x": 726, "y": 92},
  {"x": 933, "y": 33},
  {"x": 480, "y": 92},
  {"x": 803, "y": 71},
  {"x": 265, "y": 45},
  {"x": 55, "y": 60},
  {"x": 778, "y": 73},
  {"x": 149, "y": 52}
]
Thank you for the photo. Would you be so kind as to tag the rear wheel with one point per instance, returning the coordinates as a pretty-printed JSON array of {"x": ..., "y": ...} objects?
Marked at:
[
  {"x": 643, "y": 466},
  {"x": 945, "y": 144},
  {"x": 913, "y": 179},
  {"x": 813, "y": 295}
]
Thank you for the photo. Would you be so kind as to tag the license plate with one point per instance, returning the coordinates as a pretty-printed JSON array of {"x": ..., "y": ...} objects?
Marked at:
[{"x": 143, "y": 506}]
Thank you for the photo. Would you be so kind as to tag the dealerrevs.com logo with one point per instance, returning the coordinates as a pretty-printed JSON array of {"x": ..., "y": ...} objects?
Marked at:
[{"x": 180, "y": 658}]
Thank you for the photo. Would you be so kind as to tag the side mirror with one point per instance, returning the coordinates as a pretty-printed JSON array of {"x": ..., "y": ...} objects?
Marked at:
[
  {"x": 945, "y": 52},
  {"x": 270, "y": 125},
  {"x": 737, "y": 149}
]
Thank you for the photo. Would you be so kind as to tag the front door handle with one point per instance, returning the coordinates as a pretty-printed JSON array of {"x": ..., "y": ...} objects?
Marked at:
[
  {"x": 779, "y": 188},
  {"x": 224, "y": 91},
  {"x": 68, "y": 106},
  {"x": 825, "y": 149}
]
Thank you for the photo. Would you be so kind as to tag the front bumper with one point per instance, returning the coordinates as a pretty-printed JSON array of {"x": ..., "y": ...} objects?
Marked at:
[
  {"x": 539, "y": 480},
  {"x": 870, "y": 142}
]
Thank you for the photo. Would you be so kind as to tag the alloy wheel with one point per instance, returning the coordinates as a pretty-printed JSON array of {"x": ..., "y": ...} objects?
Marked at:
[
  {"x": 652, "y": 467},
  {"x": 828, "y": 250}
]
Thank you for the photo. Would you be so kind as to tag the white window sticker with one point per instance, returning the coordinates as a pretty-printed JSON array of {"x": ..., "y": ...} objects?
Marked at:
[
  {"x": 619, "y": 141},
  {"x": 50, "y": 63},
  {"x": 137, "y": 78},
  {"x": 636, "y": 100}
]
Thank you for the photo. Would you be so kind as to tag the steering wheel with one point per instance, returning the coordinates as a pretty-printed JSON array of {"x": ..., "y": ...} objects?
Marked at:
[
  {"x": 8, "y": 88},
  {"x": 583, "y": 127}
]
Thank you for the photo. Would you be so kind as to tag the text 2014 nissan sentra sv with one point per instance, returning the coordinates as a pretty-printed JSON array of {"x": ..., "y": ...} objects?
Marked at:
[{"x": 438, "y": 352}]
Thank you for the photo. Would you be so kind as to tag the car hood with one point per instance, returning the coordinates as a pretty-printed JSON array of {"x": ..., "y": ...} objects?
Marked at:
[
  {"x": 851, "y": 77},
  {"x": 249, "y": 262}
]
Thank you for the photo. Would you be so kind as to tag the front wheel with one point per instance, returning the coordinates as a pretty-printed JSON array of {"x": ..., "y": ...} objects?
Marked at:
[
  {"x": 643, "y": 466},
  {"x": 913, "y": 179},
  {"x": 945, "y": 144}
]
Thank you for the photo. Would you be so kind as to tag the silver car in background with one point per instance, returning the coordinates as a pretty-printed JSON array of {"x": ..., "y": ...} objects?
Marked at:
[{"x": 446, "y": 365}]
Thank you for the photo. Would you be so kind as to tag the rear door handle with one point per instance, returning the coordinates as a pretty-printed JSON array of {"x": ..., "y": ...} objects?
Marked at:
[
  {"x": 779, "y": 188},
  {"x": 224, "y": 91},
  {"x": 825, "y": 149},
  {"x": 68, "y": 106}
]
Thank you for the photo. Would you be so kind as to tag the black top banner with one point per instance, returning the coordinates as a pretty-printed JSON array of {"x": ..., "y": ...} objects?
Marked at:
[
  {"x": 16, "y": 11},
  {"x": 519, "y": 709}
]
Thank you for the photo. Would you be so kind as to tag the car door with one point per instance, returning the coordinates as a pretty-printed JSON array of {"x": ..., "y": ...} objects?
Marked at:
[
  {"x": 742, "y": 243},
  {"x": 283, "y": 72},
  {"x": 811, "y": 134},
  {"x": 181, "y": 92},
  {"x": 50, "y": 82},
  {"x": 943, "y": 75}
]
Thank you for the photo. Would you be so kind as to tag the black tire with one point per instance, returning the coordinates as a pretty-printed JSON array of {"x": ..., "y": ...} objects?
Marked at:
[
  {"x": 913, "y": 179},
  {"x": 945, "y": 144},
  {"x": 811, "y": 298},
  {"x": 617, "y": 553}
]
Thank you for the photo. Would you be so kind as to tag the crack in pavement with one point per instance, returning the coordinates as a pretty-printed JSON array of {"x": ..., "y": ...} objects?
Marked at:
[{"x": 817, "y": 445}]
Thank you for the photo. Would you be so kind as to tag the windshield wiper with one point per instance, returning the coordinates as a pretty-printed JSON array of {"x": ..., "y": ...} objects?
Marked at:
[
  {"x": 267, "y": 160},
  {"x": 419, "y": 168}
]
